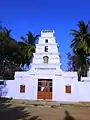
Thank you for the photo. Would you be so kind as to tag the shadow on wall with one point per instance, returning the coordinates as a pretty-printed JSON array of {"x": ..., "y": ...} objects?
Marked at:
[
  {"x": 68, "y": 116},
  {"x": 10, "y": 112},
  {"x": 3, "y": 88}
]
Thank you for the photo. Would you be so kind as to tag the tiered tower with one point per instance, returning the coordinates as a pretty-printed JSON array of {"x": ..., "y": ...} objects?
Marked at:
[{"x": 46, "y": 59}]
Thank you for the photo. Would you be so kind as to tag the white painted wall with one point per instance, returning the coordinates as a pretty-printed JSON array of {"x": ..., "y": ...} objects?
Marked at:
[
  {"x": 59, "y": 94},
  {"x": 84, "y": 91},
  {"x": 80, "y": 91},
  {"x": 14, "y": 88}
]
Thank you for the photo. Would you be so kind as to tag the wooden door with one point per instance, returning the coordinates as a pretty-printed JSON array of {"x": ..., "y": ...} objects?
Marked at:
[{"x": 44, "y": 89}]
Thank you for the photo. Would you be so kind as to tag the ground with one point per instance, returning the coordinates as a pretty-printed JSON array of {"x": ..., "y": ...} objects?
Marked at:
[{"x": 36, "y": 110}]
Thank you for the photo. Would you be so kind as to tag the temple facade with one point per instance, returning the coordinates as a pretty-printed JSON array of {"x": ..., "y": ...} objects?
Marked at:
[{"x": 45, "y": 80}]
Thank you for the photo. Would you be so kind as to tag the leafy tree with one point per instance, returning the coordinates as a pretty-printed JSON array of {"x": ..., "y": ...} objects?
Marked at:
[
  {"x": 9, "y": 57},
  {"x": 14, "y": 54}
]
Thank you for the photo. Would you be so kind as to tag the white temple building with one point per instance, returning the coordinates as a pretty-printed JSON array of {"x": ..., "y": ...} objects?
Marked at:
[{"x": 46, "y": 80}]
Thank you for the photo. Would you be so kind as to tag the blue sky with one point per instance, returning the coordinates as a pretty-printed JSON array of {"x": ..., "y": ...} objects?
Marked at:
[{"x": 35, "y": 15}]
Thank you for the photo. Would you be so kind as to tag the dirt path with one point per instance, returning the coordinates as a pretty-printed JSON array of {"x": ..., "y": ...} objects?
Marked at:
[
  {"x": 22, "y": 111},
  {"x": 71, "y": 113}
]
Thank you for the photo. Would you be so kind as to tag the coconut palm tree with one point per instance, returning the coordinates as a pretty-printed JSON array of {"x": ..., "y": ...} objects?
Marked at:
[
  {"x": 80, "y": 45},
  {"x": 30, "y": 38},
  {"x": 28, "y": 47},
  {"x": 81, "y": 37}
]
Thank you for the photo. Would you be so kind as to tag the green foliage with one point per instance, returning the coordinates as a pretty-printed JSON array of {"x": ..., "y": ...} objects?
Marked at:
[
  {"x": 14, "y": 55},
  {"x": 28, "y": 48},
  {"x": 79, "y": 59},
  {"x": 81, "y": 38}
]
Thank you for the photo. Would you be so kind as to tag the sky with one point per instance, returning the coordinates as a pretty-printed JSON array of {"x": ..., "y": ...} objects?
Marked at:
[{"x": 34, "y": 15}]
